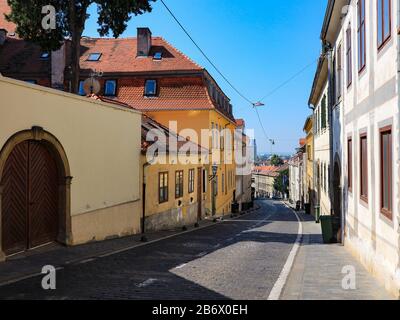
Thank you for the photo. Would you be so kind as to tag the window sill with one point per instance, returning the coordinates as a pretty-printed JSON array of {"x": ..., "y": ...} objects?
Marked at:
[
  {"x": 364, "y": 201},
  {"x": 384, "y": 43},
  {"x": 387, "y": 214}
]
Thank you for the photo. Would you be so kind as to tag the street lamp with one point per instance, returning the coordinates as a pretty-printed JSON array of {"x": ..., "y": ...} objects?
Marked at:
[{"x": 258, "y": 104}]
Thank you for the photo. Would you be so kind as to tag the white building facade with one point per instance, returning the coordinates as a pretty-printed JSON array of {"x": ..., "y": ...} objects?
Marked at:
[{"x": 364, "y": 62}]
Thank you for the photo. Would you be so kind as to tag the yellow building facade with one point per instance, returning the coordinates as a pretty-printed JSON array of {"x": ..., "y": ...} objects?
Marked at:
[
  {"x": 309, "y": 176},
  {"x": 203, "y": 122}
]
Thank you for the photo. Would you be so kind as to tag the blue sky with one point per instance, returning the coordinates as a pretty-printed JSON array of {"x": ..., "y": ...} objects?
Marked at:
[{"x": 258, "y": 45}]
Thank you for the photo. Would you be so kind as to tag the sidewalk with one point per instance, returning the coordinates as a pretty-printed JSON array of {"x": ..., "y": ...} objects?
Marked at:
[
  {"x": 317, "y": 271},
  {"x": 29, "y": 264}
]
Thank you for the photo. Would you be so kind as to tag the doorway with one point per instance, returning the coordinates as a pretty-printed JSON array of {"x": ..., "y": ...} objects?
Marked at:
[{"x": 30, "y": 198}]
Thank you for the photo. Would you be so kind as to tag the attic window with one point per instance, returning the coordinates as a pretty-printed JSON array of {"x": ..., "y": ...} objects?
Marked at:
[
  {"x": 150, "y": 88},
  {"x": 94, "y": 57},
  {"x": 158, "y": 56},
  {"x": 44, "y": 56}
]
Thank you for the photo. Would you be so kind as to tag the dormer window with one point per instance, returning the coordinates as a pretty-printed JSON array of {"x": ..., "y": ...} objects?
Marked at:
[
  {"x": 150, "y": 88},
  {"x": 158, "y": 56},
  {"x": 94, "y": 56},
  {"x": 45, "y": 56}
]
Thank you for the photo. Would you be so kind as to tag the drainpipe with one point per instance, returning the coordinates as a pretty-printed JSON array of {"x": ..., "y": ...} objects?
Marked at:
[{"x": 144, "y": 238}]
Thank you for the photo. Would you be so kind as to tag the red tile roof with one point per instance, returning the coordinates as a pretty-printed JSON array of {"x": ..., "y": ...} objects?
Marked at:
[
  {"x": 120, "y": 56},
  {"x": 23, "y": 58},
  {"x": 150, "y": 124},
  {"x": 174, "y": 94},
  {"x": 107, "y": 100}
]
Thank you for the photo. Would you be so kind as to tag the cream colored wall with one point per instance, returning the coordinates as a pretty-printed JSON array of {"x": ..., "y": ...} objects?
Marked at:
[
  {"x": 102, "y": 143},
  {"x": 322, "y": 156}
]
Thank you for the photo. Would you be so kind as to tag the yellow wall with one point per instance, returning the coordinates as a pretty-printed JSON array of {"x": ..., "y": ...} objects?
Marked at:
[
  {"x": 310, "y": 155},
  {"x": 186, "y": 205},
  {"x": 224, "y": 199},
  {"x": 198, "y": 120},
  {"x": 102, "y": 143}
]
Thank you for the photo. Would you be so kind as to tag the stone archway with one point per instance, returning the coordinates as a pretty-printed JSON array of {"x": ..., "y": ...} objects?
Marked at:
[{"x": 63, "y": 191}]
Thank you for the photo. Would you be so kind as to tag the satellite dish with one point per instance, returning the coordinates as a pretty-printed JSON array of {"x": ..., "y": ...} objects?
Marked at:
[{"x": 91, "y": 86}]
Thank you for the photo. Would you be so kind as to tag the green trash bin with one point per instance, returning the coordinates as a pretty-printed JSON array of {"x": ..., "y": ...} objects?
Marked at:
[{"x": 327, "y": 228}]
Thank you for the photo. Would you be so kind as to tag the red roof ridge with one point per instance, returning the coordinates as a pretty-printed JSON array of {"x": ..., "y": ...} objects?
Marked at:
[{"x": 183, "y": 54}]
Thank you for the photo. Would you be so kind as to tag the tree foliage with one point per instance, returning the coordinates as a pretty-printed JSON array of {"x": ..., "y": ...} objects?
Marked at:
[
  {"x": 71, "y": 15},
  {"x": 282, "y": 182},
  {"x": 276, "y": 161}
]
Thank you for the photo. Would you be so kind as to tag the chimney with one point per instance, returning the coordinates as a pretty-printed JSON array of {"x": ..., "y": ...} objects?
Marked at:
[
  {"x": 143, "y": 42},
  {"x": 58, "y": 64},
  {"x": 3, "y": 36}
]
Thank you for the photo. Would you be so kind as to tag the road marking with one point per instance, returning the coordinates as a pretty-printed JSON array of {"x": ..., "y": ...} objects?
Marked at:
[
  {"x": 181, "y": 266},
  {"x": 86, "y": 261},
  {"x": 6, "y": 283},
  {"x": 147, "y": 283},
  {"x": 276, "y": 291}
]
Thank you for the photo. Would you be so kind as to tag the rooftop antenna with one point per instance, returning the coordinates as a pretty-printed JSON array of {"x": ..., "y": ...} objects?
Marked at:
[{"x": 92, "y": 85}]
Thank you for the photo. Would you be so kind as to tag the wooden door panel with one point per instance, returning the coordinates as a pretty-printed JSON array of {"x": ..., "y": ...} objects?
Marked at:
[
  {"x": 15, "y": 200},
  {"x": 43, "y": 196}
]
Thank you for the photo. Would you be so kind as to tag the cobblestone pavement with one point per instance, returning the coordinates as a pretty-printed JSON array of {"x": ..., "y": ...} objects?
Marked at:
[
  {"x": 237, "y": 259},
  {"x": 317, "y": 271}
]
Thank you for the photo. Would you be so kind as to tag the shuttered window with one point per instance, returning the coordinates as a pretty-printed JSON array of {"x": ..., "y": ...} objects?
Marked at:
[{"x": 349, "y": 61}]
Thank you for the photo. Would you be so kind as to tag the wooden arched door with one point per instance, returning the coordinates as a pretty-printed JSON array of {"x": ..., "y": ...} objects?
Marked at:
[{"x": 30, "y": 198}]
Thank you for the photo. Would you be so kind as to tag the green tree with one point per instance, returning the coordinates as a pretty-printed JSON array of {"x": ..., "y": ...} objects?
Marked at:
[
  {"x": 71, "y": 16},
  {"x": 276, "y": 161},
  {"x": 282, "y": 182}
]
